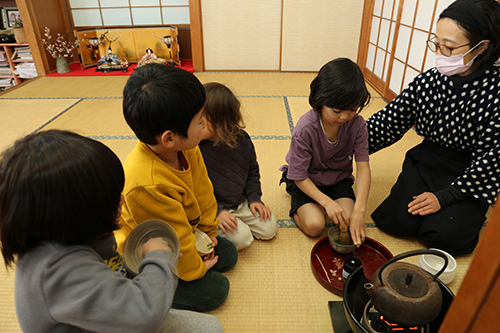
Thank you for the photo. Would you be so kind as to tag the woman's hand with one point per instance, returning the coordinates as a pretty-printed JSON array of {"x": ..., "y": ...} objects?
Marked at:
[
  {"x": 227, "y": 221},
  {"x": 264, "y": 211},
  {"x": 424, "y": 204}
]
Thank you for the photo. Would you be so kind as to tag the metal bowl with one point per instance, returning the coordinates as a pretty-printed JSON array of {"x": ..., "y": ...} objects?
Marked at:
[
  {"x": 132, "y": 251},
  {"x": 333, "y": 237}
]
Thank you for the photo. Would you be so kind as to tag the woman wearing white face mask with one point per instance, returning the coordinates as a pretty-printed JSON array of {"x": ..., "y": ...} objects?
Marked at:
[{"x": 450, "y": 179}]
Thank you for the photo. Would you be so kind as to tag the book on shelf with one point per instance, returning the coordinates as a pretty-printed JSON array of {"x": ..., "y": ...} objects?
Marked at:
[
  {"x": 5, "y": 69},
  {"x": 6, "y": 83},
  {"x": 22, "y": 53}
]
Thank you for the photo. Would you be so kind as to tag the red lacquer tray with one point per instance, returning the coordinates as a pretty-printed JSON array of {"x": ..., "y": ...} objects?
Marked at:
[{"x": 372, "y": 255}]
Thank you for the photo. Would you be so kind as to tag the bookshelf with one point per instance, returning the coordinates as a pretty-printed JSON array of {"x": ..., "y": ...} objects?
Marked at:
[{"x": 9, "y": 50}]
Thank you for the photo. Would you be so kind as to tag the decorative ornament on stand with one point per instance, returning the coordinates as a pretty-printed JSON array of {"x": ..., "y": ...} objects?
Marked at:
[
  {"x": 150, "y": 58},
  {"x": 172, "y": 44},
  {"x": 59, "y": 49},
  {"x": 168, "y": 40},
  {"x": 110, "y": 61},
  {"x": 92, "y": 44}
]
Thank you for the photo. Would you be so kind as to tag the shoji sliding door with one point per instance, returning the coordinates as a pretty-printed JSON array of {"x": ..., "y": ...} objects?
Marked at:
[{"x": 394, "y": 49}]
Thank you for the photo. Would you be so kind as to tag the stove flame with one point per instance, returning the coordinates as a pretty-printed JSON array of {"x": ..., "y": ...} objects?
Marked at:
[{"x": 394, "y": 328}]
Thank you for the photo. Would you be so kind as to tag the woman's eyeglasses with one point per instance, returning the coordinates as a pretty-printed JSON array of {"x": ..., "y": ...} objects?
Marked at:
[{"x": 445, "y": 50}]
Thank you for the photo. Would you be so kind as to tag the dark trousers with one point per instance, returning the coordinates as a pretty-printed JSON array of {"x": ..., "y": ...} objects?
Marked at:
[
  {"x": 211, "y": 290},
  {"x": 429, "y": 168}
]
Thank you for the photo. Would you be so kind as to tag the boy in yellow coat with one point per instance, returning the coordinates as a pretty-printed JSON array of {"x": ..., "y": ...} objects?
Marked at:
[{"x": 166, "y": 179}]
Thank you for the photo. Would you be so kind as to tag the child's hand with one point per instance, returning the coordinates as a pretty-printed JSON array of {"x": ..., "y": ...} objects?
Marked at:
[
  {"x": 227, "y": 221},
  {"x": 264, "y": 211},
  {"x": 155, "y": 244},
  {"x": 214, "y": 241},
  {"x": 210, "y": 260},
  {"x": 337, "y": 214},
  {"x": 357, "y": 227}
]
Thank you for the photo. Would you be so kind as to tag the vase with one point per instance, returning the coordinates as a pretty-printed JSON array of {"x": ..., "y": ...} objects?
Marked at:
[{"x": 62, "y": 65}]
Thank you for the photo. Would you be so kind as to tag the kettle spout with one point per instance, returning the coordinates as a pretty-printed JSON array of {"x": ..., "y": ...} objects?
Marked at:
[
  {"x": 369, "y": 286},
  {"x": 371, "y": 289}
]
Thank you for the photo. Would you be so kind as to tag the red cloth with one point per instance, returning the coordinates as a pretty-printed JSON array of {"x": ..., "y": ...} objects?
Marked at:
[{"x": 76, "y": 70}]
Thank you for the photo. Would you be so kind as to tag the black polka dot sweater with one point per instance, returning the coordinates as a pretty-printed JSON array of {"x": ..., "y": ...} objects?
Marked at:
[{"x": 463, "y": 116}]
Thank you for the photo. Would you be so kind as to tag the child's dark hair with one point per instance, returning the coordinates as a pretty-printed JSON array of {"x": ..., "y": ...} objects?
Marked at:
[
  {"x": 158, "y": 98},
  {"x": 340, "y": 85},
  {"x": 57, "y": 186},
  {"x": 222, "y": 110}
]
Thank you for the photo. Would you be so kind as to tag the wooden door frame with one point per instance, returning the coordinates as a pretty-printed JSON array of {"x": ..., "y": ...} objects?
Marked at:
[
  {"x": 196, "y": 28},
  {"x": 377, "y": 83},
  {"x": 30, "y": 23},
  {"x": 364, "y": 37}
]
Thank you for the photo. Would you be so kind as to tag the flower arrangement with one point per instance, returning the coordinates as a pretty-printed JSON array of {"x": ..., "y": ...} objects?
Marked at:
[{"x": 60, "y": 47}]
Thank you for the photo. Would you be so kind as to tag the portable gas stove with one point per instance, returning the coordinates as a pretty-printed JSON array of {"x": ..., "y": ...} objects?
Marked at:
[
  {"x": 372, "y": 321},
  {"x": 357, "y": 314},
  {"x": 375, "y": 322}
]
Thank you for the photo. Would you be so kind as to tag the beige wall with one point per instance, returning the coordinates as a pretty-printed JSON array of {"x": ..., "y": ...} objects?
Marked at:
[
  {"x": 276, "y": 35},
  {"x": 241, "y": 35},
  {"x": 317, "y": 31}
]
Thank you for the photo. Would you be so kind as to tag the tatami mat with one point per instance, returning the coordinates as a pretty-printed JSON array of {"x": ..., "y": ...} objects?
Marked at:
[
  {"x": 265, "y": 116},
  {"x": 8, "y": 319},
  {"x": 68, "y": 87},
  {"x": 271, "y": 155},
  {"x": 121, "y": 147},
  {"x": 273, "y": 288},
  {"x": 93, "y": 117},
  {"x": 21, "y": 117}
]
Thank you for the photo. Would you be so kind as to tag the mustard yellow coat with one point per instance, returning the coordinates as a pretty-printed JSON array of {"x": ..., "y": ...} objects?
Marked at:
[{"x": 183, "y": 199}]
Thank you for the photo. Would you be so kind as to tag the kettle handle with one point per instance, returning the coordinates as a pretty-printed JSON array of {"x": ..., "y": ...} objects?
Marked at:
[{"x": 410, "y": 254}]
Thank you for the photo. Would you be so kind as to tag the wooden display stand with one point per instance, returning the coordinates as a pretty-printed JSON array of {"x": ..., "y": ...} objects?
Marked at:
[
  {"x": 131, "y": 44},
  {"x": 8, "y": 48}
]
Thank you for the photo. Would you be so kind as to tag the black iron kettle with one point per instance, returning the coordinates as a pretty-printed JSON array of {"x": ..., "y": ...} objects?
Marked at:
[{"x": 405, "y": 293}]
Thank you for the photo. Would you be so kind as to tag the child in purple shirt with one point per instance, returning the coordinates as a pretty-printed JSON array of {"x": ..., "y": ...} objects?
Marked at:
[{"x": 319, "y": 175}]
